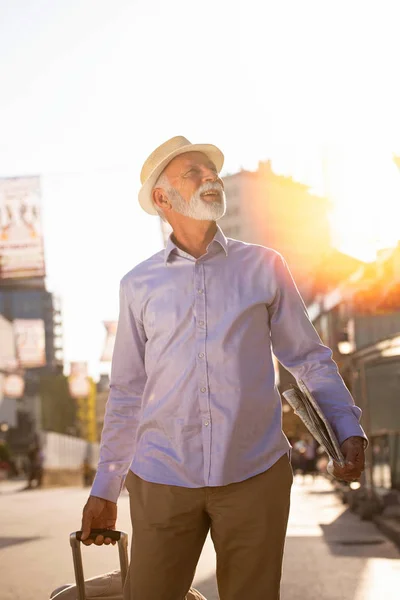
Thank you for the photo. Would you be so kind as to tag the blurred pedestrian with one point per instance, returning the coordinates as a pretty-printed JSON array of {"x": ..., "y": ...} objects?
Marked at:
[
  {"x": 310, "y": 456},
  {"x": 194, "y": 416},
  {"x": 35, "y": 469}
]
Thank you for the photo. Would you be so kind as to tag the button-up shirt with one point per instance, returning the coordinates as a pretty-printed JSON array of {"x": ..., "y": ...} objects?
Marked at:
[{"x": 193, "y": 398}]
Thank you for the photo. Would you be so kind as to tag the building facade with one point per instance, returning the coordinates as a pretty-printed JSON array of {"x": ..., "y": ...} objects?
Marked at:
[
  {"x": 34, "y": 313},
  {"x": 8, "y": 412},
  {"x": 360, "y": 320},
  {"x": 39, "y": 305}
]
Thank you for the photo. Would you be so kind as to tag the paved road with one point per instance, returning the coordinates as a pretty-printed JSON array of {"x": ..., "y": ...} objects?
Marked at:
[{"x": 330, "y": 553}]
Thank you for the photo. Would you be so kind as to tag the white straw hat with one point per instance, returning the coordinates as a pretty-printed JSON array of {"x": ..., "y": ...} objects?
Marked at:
[{"x": 158, "y": 160}]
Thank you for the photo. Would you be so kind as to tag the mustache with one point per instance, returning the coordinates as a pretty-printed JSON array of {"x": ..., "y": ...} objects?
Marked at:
[{"x": 210, "y": 187}]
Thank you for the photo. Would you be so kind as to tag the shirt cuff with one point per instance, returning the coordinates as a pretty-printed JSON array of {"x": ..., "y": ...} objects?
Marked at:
[
  {"x": 349, "y": 427},
  {"x": 107, "y": 486}
]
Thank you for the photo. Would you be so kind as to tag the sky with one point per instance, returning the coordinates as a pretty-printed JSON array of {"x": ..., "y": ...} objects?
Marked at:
[{"x": 90, "y": 87}]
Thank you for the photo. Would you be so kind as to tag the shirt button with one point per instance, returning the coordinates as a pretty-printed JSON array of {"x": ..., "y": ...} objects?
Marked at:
[
  {"x": 201, "y": 323},
  {"x": 201, "y": 355},
  {"x": 206, "y": 423},
  {"x": 203, "y": 389},
  {"x": 200, "y": 291}
]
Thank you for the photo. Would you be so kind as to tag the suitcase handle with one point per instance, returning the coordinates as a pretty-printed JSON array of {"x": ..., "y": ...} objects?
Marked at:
[
  {"x": 107, "y": 533},
  {"x": 120, "y": 536}
]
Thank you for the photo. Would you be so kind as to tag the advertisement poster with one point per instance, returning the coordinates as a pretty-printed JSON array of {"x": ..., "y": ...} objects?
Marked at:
[
  {"x": 21, "y": 239},
  {"x": 111, "y": 328},
  {"x": 30, "y": 342}
]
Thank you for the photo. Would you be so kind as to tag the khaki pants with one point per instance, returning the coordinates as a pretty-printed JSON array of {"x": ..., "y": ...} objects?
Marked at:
[{"x": 247, "y": 521}]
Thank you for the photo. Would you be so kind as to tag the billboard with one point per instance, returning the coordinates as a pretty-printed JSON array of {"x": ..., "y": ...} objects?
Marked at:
[
  {"x": 111, "y": 328},
  {"x": 30, "y": 341},
  {"x": 21, "y": 239}
]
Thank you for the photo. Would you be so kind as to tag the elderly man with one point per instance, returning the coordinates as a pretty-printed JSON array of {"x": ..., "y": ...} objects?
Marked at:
[{"x": 194, "y": 415}]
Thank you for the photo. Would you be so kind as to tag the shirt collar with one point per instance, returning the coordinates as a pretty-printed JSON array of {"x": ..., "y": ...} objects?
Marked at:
[{"x": 219, "y": 238}]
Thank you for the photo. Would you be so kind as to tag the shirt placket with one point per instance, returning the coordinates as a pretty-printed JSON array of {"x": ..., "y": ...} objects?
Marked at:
[{"x": 201, "y": 365}]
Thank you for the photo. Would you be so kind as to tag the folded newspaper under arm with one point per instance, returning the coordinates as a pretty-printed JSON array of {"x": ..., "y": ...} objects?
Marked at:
[{"x": 307, "y": 409}]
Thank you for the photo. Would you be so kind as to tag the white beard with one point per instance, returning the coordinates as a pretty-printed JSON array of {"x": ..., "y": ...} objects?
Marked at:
[{"x": 197, "y": 208}]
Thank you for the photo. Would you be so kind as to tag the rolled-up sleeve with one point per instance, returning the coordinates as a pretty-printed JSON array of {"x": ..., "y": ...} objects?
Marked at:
[
  {"x": 297, "y": 345},
  {"x": 128, "y": 379}
]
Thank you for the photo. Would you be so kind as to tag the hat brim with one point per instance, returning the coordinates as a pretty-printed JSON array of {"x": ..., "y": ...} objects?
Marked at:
[{"x": 145, "y": 193}]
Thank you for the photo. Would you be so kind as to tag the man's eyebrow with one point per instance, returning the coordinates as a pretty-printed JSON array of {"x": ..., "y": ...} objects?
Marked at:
[{"x": 190, "y": 166}]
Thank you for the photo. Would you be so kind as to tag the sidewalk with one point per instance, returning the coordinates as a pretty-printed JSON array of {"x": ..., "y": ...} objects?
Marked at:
[
  {"x": 331, "y": 554},
  {"x": 386, "y": 502},
  {"x": 11, "y": 486},
  {"x": 390, "y": 527}
]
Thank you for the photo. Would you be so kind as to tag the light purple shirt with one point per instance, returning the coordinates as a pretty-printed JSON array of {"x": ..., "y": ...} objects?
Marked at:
[{"x": 193, "y": 400}]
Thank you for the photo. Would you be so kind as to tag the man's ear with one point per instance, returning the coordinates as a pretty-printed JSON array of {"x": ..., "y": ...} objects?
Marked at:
[{"x": 160, "y": 199}]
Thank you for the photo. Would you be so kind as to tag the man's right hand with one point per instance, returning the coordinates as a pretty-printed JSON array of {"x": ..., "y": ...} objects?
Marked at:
[{"x": 98, "y": 513}]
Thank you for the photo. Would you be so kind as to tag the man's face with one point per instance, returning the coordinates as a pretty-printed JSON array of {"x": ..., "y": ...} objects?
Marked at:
[{"x": 196, "y": 190}]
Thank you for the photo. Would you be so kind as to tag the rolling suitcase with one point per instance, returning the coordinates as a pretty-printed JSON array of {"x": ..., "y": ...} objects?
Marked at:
[
  {"x": 119, "y": 536},
  {"x": 108, "y": 586}
]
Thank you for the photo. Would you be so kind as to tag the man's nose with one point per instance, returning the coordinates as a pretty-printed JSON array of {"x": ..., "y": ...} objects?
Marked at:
[{"x": 211, "y": 175}]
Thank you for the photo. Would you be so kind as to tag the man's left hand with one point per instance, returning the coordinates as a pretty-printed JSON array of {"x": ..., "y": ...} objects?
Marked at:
[{"x": 353, "y": 452}]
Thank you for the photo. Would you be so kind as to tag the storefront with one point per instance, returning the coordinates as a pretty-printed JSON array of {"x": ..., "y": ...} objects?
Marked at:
[{"x": 376, "y": 387}]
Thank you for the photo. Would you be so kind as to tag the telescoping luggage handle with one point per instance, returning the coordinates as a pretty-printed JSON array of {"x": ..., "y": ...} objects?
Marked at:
[{"x": 75, "y": 540}]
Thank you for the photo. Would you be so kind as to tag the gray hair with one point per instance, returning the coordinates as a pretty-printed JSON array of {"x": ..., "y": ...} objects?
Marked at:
[{"x": 163, "y": 183}]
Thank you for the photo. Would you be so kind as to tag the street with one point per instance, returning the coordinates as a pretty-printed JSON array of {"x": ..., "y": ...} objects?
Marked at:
[{"x": 330, "y": 553}]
